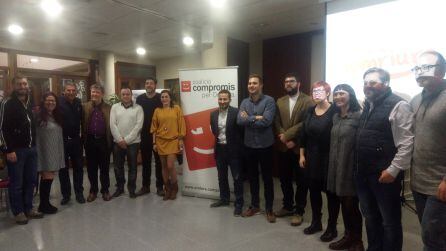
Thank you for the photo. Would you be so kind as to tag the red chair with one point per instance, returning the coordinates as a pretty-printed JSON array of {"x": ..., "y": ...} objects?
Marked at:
[{"x": 4, "y": 196}]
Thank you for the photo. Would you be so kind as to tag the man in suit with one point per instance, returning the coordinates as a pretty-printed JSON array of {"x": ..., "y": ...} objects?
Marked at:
[
  {"x": 288, "y": 122},
  {"x": 227, "y": 151},
  {"x": 97, "y": 140}
]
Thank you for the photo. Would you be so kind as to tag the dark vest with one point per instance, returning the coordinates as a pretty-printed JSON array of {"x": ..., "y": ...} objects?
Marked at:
[{"x": 375, "y": 147}]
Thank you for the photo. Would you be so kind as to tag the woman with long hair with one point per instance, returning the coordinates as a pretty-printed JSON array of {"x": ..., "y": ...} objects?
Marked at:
[
  {"x": 340, "y": 168},
  {"x": 314, "y": 155},
  {"x": 168, "y": 129},
  {"x": 50, "y": 148}
]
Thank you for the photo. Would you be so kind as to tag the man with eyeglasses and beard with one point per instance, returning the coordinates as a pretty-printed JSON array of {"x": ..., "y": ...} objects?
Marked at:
[
  {"x": 290, "y": 114},
  {"x": 428, "y": 176},
  {"x": 384, "y": 144}
]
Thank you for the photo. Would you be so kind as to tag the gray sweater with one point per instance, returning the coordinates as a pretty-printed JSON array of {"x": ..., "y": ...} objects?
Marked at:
[{"x": 429, "y": 156}]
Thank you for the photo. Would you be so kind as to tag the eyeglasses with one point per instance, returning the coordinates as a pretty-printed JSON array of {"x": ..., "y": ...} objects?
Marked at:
[{"x": 423, "y": 68}]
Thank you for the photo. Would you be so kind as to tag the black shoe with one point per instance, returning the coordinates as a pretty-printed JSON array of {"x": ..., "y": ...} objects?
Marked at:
[
  {"x": 313, "y": 228},
  {"x": 80, "y": 198},
  {"x": 47, "y": 209},
  {"x": 118, "y": 193},
  {"x": 237, "y": 212},
  {"x": 65, "y": 200},
  {"x": 220, "y": 203},
  {"x": 160, "y": 191},
  {"x": 132, "y": 195},
  {"x": 329, "y": 235}
]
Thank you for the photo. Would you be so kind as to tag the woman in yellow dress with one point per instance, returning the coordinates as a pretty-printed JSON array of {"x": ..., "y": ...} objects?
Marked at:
[{"x": 168, "y": 129}]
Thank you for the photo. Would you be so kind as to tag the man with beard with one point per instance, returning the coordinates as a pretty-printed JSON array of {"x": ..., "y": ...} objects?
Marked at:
[
  {"x": 384, "y": 145},
  {"x": 149, "y": 101},
  {"x": 288, "y": 122},
  {"x": 256, "y": 115},
  {"x": 227, "y": 151},
  {"x": 18, "y": 133},
  {"x": 428, "y": 176},
  {"x": 71, "y": 109}
]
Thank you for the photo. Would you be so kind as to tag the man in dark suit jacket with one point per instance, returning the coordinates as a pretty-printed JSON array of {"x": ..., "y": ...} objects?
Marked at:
[{"x": 227, "y": 150}]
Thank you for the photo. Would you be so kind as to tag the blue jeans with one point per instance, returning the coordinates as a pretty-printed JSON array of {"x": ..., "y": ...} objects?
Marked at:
[
  {"x": 381, "y": 207},
  {"x": 223, "y": 159},
  {"x": 432, "y": 216},
  {"x": 119, "y": 155},
  {"x": 22, "y": 180}
]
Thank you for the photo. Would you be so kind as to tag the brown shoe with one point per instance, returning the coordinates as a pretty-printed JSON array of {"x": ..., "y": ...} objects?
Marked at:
[
  {"x": 357, "y": 246},
  {"x": 283, "y": 212},
  {"x": 296, "y": 220},
  {"x": 91, "y": 197},
  {"x": 143, "y": 190},
  {"x": 21, "y": 219},
  {"x": 34, "y": 214},
  {"x": 106, "y": 196},
  {"x": 173, "y": 193},
  {"x": 270, "y": 217},
  {"x": 167, "y": 190},
  {"x": 342, "y": 244},
  {"x": 251, "y": 211}
]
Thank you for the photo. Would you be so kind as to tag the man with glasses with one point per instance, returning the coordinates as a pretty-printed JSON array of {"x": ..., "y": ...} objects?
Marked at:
[
  {"x": 428, "y": 176},
  {"x": 290, "y": 114},
  {"x": 383, "y": 150}
]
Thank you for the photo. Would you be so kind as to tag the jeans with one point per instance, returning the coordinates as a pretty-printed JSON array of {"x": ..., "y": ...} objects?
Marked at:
[
  {"x": 73, "y": 152},
  {"x": 432, "y": 215},
  {"x": 290, "y": 172},
  {"x": 119, "y": 155},
  {"x": 98, "y": 158},
  {"x": 264, "y": 158},
  {"x": 22, "y": 180},
  {"x": 146, "y": 155},
  {"x": 381, "y": 207},
  {"x": 223, "y": 159}
]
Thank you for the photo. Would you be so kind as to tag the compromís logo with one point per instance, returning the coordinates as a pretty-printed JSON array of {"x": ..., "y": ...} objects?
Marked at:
[{"x": 186, "y": 86}]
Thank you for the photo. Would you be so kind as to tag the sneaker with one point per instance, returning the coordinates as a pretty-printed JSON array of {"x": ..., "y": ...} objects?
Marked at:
[
  {"x": 143, "y": 190},
  {"x": 296, "y": 220},
  {"x": 160, "y": 191},
  {"x": 251, "y": 211},
  {"x": 65, "y": 200},
  {"x": 220, "y": 203},
  {"x": 34, "y": 214},
  {"x": 80, "y": 198},
  {"x": 270, "y": 217},
  {"x": 237, "y": 212},
  {"x": 283, "y": 212},
  {"x": 21, "y": 219}
]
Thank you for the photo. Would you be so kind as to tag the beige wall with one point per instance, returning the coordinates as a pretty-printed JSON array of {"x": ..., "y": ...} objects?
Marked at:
[{"x": 168, "y": 68}]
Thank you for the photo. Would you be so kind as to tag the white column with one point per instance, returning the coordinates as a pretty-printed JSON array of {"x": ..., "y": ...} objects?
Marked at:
[
  {"x": 107, "y": 71},
  {"x": 216, "y": 55}
]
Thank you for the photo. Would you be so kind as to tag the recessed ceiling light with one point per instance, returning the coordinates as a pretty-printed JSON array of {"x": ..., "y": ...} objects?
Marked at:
[
  {"x": 141, "y": 51},
  {"x": 51, "y": 7},
  {"x": 188, "y": 41},
  {"x": 218, "y": 3},
  {"x": 15, "y": 29},
  {"x": 34, "y": 60}
]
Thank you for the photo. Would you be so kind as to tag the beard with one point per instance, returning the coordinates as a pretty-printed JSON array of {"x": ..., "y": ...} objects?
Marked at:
[{"x": 292, "y": 92}]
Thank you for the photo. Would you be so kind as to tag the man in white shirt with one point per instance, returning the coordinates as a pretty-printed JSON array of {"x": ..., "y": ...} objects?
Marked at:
[{"x": 126, "y": 119}]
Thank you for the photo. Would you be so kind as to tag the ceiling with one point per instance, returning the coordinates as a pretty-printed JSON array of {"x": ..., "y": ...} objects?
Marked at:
[{"x": 157, "y": 25}]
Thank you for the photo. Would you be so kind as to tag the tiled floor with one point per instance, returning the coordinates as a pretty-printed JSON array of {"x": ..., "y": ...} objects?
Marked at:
[{"x": 148, "y": 223}]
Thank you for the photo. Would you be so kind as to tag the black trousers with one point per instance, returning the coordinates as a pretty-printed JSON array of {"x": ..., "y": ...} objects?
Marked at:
[
  {"x": 290, "y": 172},
  {"x": 73, "y": 153},
  {"x": 333, "y": 204},
  {"x": 98, "y": 158},
  {"x": 262, "y": 157},
  {"x": 146, "y": 147},
  {"x": 351, "y": 215}
]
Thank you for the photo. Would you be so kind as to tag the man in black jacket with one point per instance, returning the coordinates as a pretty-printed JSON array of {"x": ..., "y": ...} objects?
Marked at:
[
  {"x": 227, "y": 151},
  {"x": 72, "y": 115},
  {"x": 18, "y": 132}
]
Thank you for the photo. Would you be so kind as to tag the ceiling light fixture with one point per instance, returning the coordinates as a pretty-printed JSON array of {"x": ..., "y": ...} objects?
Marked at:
[
  {"x": 218, "y": 3},
  {"x": 15, "y": 29},
  {"x": 52, "y": 7},
  {"x": 34, "y": 60},
  {"x": 188, "y": 41},
  {"x": 141, "y": 51}
]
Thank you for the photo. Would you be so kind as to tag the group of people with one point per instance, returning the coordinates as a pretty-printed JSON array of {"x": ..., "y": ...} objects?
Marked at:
[
  {"x": 53, "y": 137},
  {"x": 355, "y": 154}
]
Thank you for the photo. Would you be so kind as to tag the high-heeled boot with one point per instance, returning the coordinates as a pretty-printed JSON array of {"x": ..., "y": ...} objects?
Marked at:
[
  {"x": 45, "y": 205},
  {"x": 167, "y": 190},
  {"x": 174, "y": 191}
]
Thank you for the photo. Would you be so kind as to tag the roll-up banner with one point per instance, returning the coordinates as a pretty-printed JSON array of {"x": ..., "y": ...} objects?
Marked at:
[{"x": 199, "y": 97}]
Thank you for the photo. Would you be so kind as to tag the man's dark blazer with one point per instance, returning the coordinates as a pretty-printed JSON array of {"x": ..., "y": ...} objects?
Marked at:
[{"x": 234, "y": 133}]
